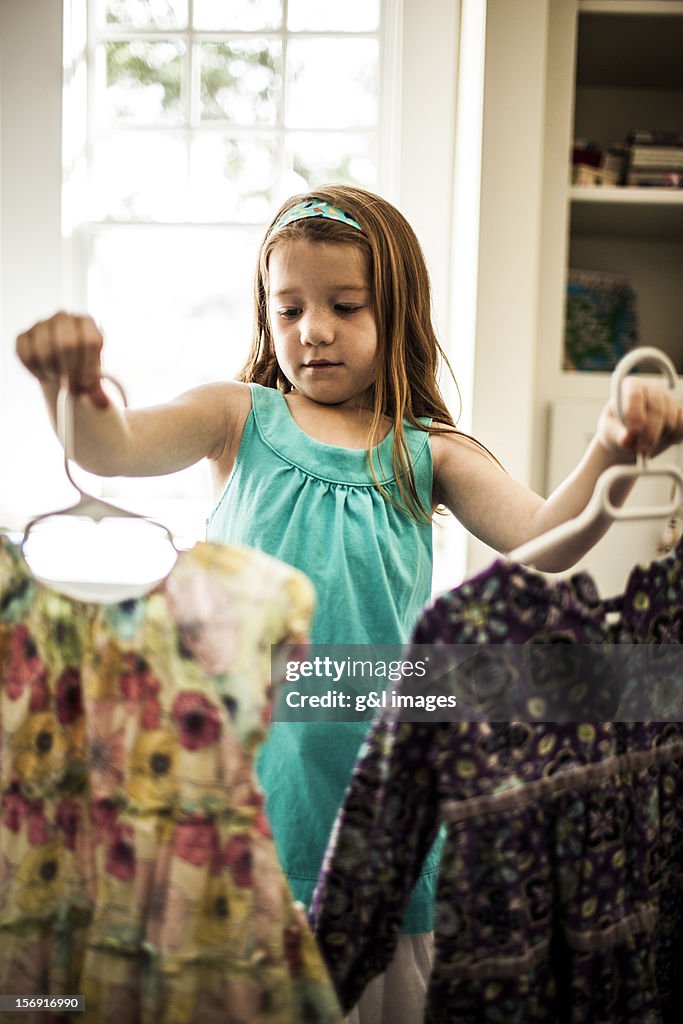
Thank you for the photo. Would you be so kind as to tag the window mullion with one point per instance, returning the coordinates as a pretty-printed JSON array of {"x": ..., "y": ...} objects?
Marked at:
[
  {"x": 193, "y": 72},
  {"x": 282, "y": 120},
  {"x": 91, "y": 75},
  {"x": 191, "y": 69}
]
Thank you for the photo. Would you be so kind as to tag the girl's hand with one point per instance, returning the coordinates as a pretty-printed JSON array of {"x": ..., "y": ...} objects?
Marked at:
[
  {"x": 653, "y": 420},
  {"x": 66, "y": 346}
]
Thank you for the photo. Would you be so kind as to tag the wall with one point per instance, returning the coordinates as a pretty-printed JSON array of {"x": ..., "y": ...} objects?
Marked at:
[
  {"x": 30, "y": 245},
  {"x": 505, "y": 349}
]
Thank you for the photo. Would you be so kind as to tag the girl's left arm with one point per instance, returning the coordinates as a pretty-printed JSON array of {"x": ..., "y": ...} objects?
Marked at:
[{"x": 504, "y": 513}]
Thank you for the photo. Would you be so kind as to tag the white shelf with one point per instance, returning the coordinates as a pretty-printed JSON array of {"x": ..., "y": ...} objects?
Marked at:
[
  {"x": 627, "y": 212},
  {"x": 633, "y": 7},
  {"x": 627, "y": 195}
]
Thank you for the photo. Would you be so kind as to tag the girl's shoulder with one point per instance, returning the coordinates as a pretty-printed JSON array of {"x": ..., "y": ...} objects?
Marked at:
[
  {"x": 456, "y": 455},
  {"x": 227, "y": 405},
  {"x": 446, "y": 441},
  {"x": 449, "y": 442},
  {"x": 228, "y": 401}
]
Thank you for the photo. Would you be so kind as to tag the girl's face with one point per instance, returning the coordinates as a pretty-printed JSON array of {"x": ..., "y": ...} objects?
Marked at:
[{"x": 321, "y": 318}]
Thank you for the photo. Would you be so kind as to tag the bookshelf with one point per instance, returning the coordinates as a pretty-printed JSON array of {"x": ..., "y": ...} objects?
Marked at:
[
  {"x": 628, "y": 74},
  {"x": 546, "y": 81},
  {"x": 612, "y": 66}
]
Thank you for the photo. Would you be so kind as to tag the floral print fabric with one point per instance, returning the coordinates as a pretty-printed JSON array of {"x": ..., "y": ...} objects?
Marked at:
[
  {"x": 560, "y": 893},
  {"x": 137, "y": 866}
]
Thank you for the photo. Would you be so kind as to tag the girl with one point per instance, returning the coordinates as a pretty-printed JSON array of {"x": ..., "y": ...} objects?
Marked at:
[{"x": 331, "y": 452}]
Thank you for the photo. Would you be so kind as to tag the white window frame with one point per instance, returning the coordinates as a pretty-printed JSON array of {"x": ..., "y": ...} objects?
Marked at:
[{"x": 388, "y": 34}]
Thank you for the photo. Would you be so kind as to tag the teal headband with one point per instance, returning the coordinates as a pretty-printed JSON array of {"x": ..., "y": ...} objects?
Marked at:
[{"x": 316, "y": 208}]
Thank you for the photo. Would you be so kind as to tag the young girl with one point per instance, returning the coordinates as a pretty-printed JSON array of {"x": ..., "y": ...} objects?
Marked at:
[{"x": 331, "y": 453}]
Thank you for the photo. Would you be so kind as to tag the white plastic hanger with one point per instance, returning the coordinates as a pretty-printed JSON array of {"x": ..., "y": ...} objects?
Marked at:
[
  {"x": 95, "y": 510},
  {"x": 600, "y": 503}
]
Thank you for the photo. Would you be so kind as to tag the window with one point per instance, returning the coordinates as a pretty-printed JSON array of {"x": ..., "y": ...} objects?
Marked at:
[{"x": 202, "y": 116}]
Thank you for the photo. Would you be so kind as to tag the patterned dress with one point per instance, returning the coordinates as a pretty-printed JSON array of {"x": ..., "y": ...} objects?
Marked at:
[
  {"x": 137, "y": 866},
  {"x": 560, "y": 892}
]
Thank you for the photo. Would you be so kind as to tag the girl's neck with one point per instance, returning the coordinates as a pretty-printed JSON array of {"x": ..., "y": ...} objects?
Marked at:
[{"x": 345, "y": 426}]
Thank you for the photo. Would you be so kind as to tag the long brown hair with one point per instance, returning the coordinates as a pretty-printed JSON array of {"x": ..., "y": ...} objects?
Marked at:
[{"x": 408, "y": 351}]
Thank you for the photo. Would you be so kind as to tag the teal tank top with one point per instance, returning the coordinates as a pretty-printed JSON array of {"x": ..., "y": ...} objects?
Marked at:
[{"x": 316, "y": 507}]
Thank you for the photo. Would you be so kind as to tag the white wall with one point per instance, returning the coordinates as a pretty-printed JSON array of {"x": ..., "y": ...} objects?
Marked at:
[
  {"x": 428, "y": 102},
  {"x": 30, "y": 244},
  {"x": 428, "y": 117},
  {"x": 505, "y": 352}
]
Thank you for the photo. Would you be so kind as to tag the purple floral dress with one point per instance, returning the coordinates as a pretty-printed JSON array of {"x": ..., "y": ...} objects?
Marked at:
[
  {"x": 560, "y": 893},
  {"x": 137, "y": 866}
]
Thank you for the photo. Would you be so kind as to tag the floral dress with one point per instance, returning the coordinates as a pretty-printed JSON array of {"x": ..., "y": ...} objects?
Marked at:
[
  {"x": 137, "y": 866},
  {"x": 559, "y": 781}
]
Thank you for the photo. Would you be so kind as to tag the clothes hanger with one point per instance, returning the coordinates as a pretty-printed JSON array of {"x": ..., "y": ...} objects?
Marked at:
[
  {"x": 96, "y": 510},
  {"x": 600, "y": 503}
]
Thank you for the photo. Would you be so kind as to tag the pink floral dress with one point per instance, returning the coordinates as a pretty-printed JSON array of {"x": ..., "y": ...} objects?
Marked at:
[{"x": 137, "y": 866}]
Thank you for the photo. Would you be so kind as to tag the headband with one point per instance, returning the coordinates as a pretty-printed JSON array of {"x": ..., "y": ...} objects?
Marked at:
[{"x": 316, "y": 208}]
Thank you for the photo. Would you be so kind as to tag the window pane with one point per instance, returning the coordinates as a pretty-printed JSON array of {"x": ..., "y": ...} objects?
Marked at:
[
  {"x": 318, "y": 96},
  {"x": 317, "y": 158},
  {"x": 240, "y": 81},
  {"x": 144, "y": 81},
  {"x": 175, "y": 307},
  {"x": 174, "y": 303},
  {"x": 145, "y": 13},
  {"x": 140, "y": 176},
  {"x": 241, "y": 15},
  {"x": 350, "y": 16},
  {"x": 232, "y": 179}
]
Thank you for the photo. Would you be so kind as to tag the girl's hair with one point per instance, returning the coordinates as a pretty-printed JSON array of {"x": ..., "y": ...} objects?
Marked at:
[{"x": 408, "y": 352}]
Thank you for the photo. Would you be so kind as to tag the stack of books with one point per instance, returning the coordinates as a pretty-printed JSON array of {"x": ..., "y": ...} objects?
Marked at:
[{"x": 655, "y": 158}]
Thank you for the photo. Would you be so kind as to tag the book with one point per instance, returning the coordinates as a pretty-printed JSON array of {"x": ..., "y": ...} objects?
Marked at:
[
  {"x": 655, "y": 137},
  {"x": 655, "y": 179},
  {"x": 601, "y": 323},
  {"x": 656, "y": 156}
]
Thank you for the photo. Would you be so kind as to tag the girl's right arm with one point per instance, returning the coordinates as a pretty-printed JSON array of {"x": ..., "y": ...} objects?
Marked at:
[{"x": 205, "y": 422}]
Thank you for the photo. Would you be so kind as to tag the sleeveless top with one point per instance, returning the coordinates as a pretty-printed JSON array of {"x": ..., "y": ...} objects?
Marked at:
[{"x": 316, "y": 506}]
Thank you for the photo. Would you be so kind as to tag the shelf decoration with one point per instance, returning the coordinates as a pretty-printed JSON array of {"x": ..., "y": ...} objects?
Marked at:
[
  {"x": 594, "y": 166},
  {"x": 601, "y": 323}
]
